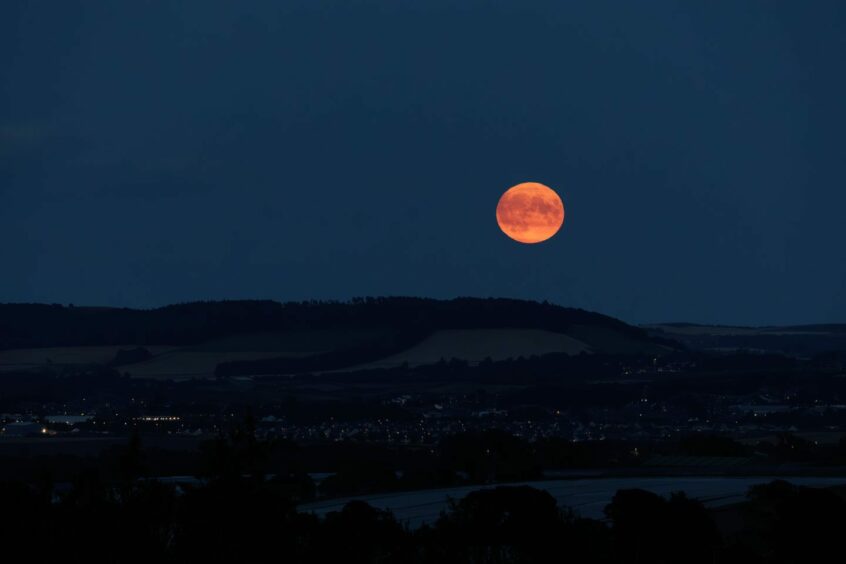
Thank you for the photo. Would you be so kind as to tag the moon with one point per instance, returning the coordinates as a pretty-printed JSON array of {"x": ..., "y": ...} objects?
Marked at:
[{"x": 530, "y": 212}]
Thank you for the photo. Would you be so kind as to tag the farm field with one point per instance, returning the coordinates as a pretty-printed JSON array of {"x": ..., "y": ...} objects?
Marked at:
[
  {"x": 474, "y": 345},
  {"x": 23, "y": 359}
]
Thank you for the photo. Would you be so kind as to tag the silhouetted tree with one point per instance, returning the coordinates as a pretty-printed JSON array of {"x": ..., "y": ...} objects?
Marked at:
[
  {"x": 361, "y": 534},
  {"x": 505, "y": 524},
  {"x": 649, "y": 528}
]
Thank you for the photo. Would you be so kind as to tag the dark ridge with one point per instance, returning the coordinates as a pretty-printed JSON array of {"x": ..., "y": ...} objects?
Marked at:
[
  {"x": 815, "y": 328},
  {"x": 811, "y": 328},
  {"x": 44, "y": 325}
]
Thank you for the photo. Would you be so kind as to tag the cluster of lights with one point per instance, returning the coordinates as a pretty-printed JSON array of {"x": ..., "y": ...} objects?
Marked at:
[{"x": 157, "y": 418}]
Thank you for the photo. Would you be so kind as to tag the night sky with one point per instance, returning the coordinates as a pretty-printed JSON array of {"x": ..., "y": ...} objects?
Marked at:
[{"x": 157, "y": 152}]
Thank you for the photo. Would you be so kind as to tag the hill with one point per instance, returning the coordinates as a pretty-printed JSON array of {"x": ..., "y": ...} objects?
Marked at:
[
  {"x": 803, "y": 341},
  {"x": 266, "y": 337}
]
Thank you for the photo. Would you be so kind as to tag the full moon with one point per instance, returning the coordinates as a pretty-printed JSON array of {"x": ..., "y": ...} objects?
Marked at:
[{"x": 530, "y": 212}]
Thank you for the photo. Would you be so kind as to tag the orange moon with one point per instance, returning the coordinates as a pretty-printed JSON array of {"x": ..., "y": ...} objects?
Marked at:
[{"x": 530, "y": 212}]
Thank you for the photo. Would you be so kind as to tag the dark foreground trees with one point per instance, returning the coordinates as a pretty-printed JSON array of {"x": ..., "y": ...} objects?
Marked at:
[
  {"x": 649, "y": 528},
  {"x": 512, "y": 524},
  {"x": 255, "y": 521}
]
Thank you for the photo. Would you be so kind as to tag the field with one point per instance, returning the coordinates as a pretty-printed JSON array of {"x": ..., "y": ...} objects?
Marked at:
[
  {"x": 475, "y": 345},
  {"x": 188, "y": 363},
  {"x": 200, "y": 361},
  {"x": 23, "y": 359},
  {"x": 471, "y": 345},
  {"x": 191, "y": 362}
]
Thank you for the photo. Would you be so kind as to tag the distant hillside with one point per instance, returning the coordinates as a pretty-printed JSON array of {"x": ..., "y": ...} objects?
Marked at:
[
  {"x": 794, "y": 340},
  {"x": 260, "y": 337}
]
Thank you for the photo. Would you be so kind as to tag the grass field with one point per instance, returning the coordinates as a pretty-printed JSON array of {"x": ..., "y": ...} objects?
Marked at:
[
  {"x": 189, "y": 363},
  {"x": 196, "y": 361},
  {"x": 609, "y": 341},
  {"x": 200, "y": 361},
  {"x": 22, "y": 359},
  {"x": 474, "y": 345},
  {"x": 293, "y": 342}
]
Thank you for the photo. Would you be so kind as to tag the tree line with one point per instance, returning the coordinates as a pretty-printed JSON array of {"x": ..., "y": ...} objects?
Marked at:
[{"x": 248, "y": 520}]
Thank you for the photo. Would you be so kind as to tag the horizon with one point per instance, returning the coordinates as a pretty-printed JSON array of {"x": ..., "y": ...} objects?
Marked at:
[{"x": 398, "y": 296}]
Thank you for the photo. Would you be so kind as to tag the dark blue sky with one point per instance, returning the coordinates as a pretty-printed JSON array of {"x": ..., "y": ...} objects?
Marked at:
[{"x": 153, "y": 152}]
